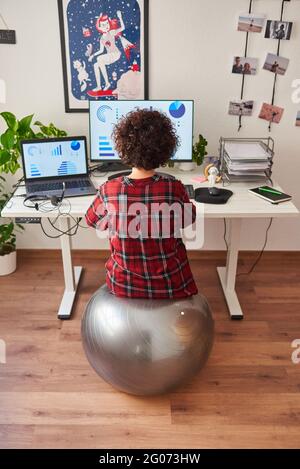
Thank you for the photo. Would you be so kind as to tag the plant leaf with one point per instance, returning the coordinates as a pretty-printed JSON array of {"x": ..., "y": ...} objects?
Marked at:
[
  {"x": 10, "y": 120},
  {"x": 4, "y": 157},
  {"x": 6, "y": 232},
  {"x": 14, "y": 166},
  {"x": 49, "y": 130},
  {"x": 25, "y": 123},
  {"x": 8, "y": 139}
]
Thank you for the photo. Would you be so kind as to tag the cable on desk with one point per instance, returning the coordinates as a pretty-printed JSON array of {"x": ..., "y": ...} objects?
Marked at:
[
  {"x": 9, "y": 202},
  {"x": 61, "y": 232},
  {"x": 261, "y": 252},
  {"x": 96, "y": 167},
  {"x": 72, "y": 231},
  {"x": 18, "y": 184},
  {"x": 63, "y": 209},
  {"x": 97, "y": 171},
  {"x": 225, "y": 235}
]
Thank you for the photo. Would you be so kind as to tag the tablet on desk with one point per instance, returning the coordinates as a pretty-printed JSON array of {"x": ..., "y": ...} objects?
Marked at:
[{"x": 273, "y": 196}]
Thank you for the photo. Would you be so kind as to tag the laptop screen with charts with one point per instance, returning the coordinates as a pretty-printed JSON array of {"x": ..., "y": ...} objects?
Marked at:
[
  {"x": 54, "y": 158},
  {"x": 104, "y": 117}
]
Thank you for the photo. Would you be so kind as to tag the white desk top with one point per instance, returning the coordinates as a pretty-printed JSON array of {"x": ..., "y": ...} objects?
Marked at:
[{"x": 241, "y": 205}]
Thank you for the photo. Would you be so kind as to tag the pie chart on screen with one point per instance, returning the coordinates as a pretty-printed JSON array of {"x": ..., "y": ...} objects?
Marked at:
[
  {"x": 75, "y": 145},
  {"x": 177, "y": 109}
]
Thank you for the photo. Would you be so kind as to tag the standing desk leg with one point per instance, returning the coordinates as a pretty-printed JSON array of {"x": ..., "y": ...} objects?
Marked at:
[
  {"x": 228, "y": 274},
  {"x": 71, "y": 274}
]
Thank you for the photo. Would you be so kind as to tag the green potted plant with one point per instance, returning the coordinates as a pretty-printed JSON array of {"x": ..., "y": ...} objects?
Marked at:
[
  {"x": 199, "y": 150},
  {"x": 8, "y": 258},
  {"x": 198, "y": 155},
  {"x": 16, "y": 130}
]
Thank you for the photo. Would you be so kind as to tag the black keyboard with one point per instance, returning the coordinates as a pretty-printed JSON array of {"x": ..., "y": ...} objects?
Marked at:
[
  {"x": 190, "y": 191},
  {"x": 56, "y": 186},
  {"x": 189, "y": 187}
]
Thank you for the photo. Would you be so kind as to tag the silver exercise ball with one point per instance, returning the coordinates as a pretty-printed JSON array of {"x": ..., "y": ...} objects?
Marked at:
[{"x": 144, "y": 346}]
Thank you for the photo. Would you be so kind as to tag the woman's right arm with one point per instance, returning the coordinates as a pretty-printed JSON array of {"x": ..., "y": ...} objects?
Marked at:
[{"x": 96, "y": 215}]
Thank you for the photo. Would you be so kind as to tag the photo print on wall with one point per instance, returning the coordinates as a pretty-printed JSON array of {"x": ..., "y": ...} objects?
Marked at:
[
  {"x": 276, "y": 64},
  {"x": 270, "y": 113},
  {"x": 280, "y": 30},
  {"x": 251, "y": 23},
  {"x": 245, "y": 65},
  {"x": 241, "y": 108},
  {"x": 104, "y": 50}
]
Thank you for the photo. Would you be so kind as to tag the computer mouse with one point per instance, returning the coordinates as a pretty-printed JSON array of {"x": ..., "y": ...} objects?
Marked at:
[{"x": 214, "y": 191}]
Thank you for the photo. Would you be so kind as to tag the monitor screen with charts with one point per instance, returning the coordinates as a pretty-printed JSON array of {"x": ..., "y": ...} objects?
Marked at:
[
  {"x": 104, "y": 116},
  {"x": 54, "y": 157}
]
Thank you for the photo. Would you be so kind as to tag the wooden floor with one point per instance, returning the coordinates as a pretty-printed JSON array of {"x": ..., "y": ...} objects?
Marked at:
[{"x": 247, "y": 396}]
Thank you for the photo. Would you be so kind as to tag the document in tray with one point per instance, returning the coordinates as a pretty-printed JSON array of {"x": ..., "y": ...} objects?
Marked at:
[
  {"x": 249, "y": 173},
  {"x": 246, "y": 165},
  {"x": 248, "y": 176},
  {"x": 246, "y": 151}
]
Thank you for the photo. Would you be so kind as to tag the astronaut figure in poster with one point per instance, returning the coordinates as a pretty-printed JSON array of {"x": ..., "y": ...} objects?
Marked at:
[{"x": 105, "y": 49}]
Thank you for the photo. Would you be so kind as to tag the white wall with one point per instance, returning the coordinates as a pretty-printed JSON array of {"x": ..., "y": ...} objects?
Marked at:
[{"x": 191, "y": 48}]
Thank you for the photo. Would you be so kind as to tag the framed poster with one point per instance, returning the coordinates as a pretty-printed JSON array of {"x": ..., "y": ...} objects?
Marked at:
[{"x": 104, "y": 47}]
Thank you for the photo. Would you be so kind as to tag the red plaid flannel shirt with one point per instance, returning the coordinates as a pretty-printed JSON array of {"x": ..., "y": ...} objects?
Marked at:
[{"x": 143, "y": 267}]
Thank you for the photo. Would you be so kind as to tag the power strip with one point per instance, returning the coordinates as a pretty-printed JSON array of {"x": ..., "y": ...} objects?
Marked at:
[{"x": 28, "y": 220}]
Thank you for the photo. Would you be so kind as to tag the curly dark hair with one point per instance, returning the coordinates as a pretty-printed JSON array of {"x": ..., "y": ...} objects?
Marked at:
[{"x": 145, "y": 139}]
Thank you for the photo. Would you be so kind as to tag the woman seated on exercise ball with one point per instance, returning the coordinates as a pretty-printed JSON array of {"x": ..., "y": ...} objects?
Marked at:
[{"x": 143, "y": 212}]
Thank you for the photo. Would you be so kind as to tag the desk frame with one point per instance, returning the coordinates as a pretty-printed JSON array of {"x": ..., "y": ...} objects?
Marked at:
[
  {"x": 227, "y": 274},
  {"x": 240, "y": 207},
  {"x": 71, "y": 274}
]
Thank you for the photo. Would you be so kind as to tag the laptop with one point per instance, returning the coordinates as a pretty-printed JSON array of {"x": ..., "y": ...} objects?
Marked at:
[{"x": 53, "y": 164}]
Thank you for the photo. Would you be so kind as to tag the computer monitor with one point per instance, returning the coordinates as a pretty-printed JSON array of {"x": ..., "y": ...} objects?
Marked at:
[
  {"x": 54, "y": 157},
  {"x": 104, "y": 116}
]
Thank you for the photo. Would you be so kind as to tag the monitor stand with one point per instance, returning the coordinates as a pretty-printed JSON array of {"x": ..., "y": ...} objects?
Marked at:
[
  {"x": 127, "y": 173},
  {"x": 113, "y": 166},
  {"x": 118, "y": 175}
]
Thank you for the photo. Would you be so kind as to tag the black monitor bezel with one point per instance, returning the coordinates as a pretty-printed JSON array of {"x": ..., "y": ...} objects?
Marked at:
[
  {"x": 54, "y": 139},
  {"x": 99, "y": 160}
]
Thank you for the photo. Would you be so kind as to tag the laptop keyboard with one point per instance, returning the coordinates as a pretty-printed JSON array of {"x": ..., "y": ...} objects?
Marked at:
[{"x": 56, "y": 186}]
